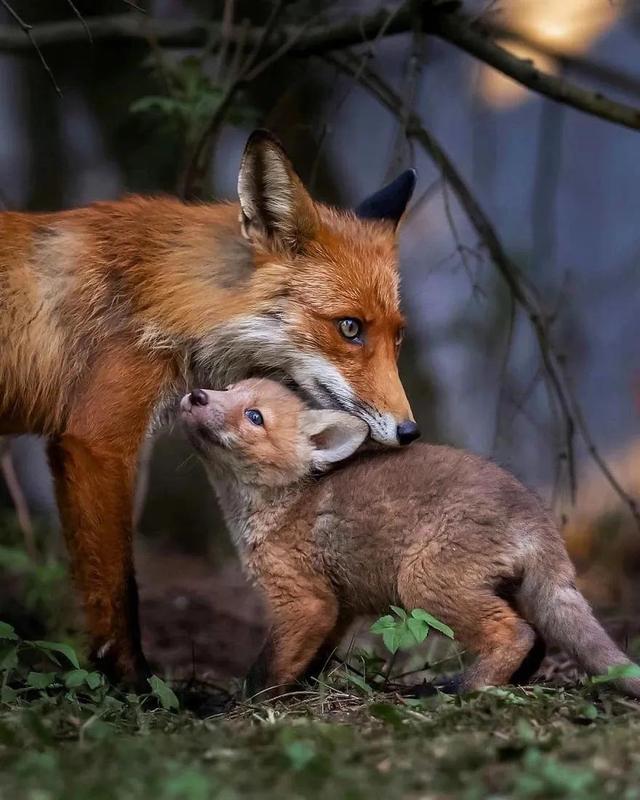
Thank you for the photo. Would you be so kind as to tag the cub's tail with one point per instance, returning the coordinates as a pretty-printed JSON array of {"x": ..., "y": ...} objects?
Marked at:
[{"x": 549, "y": 600}]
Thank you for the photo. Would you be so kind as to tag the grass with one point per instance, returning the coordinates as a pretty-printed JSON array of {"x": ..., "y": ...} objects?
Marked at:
[
  {"x": 65, "y": 736},
  {"x": 521, "y": 743}
]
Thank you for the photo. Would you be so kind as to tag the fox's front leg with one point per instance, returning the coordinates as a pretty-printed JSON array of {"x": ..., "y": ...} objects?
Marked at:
[{"x": 94, "y": 466}]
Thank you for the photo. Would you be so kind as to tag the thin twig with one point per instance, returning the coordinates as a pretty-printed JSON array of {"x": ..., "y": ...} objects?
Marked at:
[
  {"x": 27, "y": 29},
  {"x": 413, "y": 79},
  {"x": 249, "y": 71},
  {"x": 83, "y": 21},
  {"x": 227, "y": 23},
  {"x": 522, "y": 291}
]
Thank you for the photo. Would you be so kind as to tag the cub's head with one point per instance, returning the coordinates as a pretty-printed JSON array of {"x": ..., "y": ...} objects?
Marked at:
[
  {"x": 324, "y": 289},
  {"x": 263, "y": 434}
]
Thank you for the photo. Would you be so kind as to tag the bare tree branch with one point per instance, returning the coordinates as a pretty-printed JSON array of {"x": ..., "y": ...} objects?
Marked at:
[
  {"x": 578, "y": 65},
  {"x": 477, "y": 40},
  {"x": 521, "y": 290},
  {"x": 440, "y": 18},
  {"x": 248, "y": 71}
]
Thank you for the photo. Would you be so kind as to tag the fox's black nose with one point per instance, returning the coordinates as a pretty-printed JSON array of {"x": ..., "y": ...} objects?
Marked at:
[
  {"x": 199, "y": 398},
  {"x": 407, "y": 432}
]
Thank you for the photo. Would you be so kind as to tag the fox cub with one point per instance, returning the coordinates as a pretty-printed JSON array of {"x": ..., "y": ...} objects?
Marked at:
[{"x": 428, "y": 527}]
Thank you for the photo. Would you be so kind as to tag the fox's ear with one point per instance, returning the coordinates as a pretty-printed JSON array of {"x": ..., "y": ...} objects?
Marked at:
[
  {"x": 334, "y": 435},
  {"x": 276, "y": 209},
  {"x": 390, "y": 203}
]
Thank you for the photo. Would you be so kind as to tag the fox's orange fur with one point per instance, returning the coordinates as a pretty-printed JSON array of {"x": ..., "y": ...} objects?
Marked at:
[{"x": 108, "y": 314}]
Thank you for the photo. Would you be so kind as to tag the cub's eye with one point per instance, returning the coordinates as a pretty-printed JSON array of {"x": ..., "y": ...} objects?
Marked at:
[
  {"x": 350, "y": 328},
  {"x": 254, "y": 416}
]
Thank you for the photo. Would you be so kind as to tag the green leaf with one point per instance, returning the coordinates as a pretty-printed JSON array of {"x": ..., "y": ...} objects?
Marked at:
[
  {"x": 618, "y": 672},
  {"x": 399, "y": 611},
  {"x": 8, "y": 695},
  {"x": 418, "y": 628},
  {"x": 7, "y": 631},
  {"x": 94, "y": 679},
  {"x": 589, "y": 711},
  {"x": 164, "y": 693},
  {"x": 391, "y": 639},
  {"x": 383, "y": 624},
  {"x": 40, "y": 680},
  {"x": 359, "y": 681},
  {"x": 433, "y": 622},
  {"x": 59, "y": 647},
  {"x": 299, "y": 753},
  {"x": 388, "y": 713},
  {"x": 75, "y": 678},
  {"x": 15, "y": 560},
  {"x": 406, "y": 639},
  {"x": 8, "y": 657}
]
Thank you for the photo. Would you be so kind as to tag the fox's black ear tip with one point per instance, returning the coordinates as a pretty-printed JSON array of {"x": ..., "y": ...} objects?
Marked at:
[
  {"x": 260, "y": 137},
  {"x": 390, "y": 203},
  {"x": 411, "y": 177}
]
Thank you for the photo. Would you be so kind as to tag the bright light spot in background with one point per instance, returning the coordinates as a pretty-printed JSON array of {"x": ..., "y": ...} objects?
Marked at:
[{"x": 569, "y": 26}]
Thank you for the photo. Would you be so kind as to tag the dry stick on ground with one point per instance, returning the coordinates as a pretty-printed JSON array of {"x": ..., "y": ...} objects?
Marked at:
[
  {"x": 19, "y": 502},
  {"x": 439, "y": 18},
  {"x": 523, "y": 293}
]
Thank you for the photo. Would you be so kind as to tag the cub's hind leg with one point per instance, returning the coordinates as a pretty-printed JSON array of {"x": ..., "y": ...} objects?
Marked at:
[
  {"x": 485, "y": 625},
  {"x": 499, "y": 637}
]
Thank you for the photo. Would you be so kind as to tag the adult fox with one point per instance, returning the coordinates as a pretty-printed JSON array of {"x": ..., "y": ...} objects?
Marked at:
[{"x": 108, "y": 313}]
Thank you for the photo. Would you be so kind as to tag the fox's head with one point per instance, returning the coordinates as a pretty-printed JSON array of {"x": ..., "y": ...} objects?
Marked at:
[
  {"x": 264, "y": 435},
  {"x": 324, "y": 294}
]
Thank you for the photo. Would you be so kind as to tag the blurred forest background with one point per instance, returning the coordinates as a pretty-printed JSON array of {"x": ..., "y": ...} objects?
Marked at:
[{"x": 520, "y": 253}]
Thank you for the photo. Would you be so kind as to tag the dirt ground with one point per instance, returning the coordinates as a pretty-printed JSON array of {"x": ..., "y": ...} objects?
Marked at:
[{"x": 196, "y": 618}]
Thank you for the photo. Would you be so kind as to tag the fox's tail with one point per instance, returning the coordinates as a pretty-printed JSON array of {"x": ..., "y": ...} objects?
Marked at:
[{"x": 562, "y": 616}]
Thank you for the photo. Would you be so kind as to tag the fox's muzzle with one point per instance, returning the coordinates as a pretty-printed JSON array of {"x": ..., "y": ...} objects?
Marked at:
[{"x": 407, "y": 432}]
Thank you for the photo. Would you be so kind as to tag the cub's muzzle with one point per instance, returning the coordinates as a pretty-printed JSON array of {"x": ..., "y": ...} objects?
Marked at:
[{"x": 203, "y": 414}]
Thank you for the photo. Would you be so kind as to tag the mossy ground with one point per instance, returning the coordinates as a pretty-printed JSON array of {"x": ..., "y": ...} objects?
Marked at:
[
  {"x": 524, "y": 743},
  {"x": 333, "y": 741}
]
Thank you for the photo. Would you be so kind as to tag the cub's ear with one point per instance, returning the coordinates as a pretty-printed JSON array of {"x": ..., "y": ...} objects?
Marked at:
[
  {"x": 276, "y": 209},
  {"x": 390, "y": 203},
  {"x": 334, "y": 436}
]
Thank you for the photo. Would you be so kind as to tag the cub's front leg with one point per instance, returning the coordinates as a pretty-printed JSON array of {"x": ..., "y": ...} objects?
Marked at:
[{"x": 304, "y": 615}]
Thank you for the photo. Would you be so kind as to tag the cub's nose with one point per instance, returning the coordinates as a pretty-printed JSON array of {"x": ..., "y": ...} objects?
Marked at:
[
  {"x": 199, "y": 397},
  {"x": 407, "y": 432}
]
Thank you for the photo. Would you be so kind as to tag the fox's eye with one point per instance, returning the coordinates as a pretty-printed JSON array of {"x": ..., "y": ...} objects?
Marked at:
[
  {"x": 254, "y": 416},
  {"x": 350, "y": 328}
]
